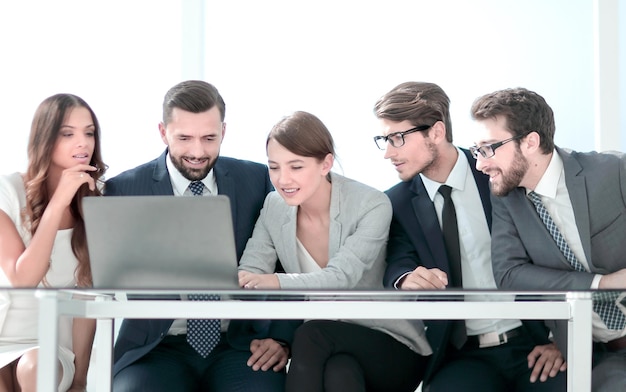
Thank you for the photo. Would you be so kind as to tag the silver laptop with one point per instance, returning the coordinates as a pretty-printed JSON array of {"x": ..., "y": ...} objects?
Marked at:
[{"x": 161, "y": 242}]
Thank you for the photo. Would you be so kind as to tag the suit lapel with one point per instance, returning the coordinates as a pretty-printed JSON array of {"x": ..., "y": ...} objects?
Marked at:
[
  {"x": 288, "y": 236},
  {"x": 427, "y": 218},
  {"x": 162, "y": 184},
  {"x": 482, "y": 183},
  {"x": 577, "y": 189},
  {"x": 226, "y": 186},
  {"x": 334, "y": 240},
  {"x": 534, "y": 231}
]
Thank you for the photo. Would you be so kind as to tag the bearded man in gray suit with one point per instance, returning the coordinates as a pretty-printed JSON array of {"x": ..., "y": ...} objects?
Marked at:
[{"x": 559, "y": 217}]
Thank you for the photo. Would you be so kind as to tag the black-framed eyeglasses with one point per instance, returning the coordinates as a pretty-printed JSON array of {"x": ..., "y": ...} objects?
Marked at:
[
  {"x": 396, "y": 139},
  {"x": 489, "y": 150}
]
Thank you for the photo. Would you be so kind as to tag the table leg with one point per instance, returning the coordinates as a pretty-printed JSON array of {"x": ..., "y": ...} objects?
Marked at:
[
  {"x": 48, "y": 338},
  {"x": 579, "y": 341},
  {"x": 104, "y": 354}
]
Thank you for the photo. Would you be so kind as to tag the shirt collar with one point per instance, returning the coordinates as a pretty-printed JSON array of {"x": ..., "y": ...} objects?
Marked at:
[
  {"x": 180, "y": 183},
  {"x": 549, "y": 182},
  {"x": 455, "y": 180}
]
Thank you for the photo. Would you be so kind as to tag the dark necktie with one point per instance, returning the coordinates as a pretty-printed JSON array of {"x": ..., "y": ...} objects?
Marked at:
[
  {"x": 202, "y": 334},
  {"x": 453, "y": 249},
  {"x": 197, "y": 188},
  {"x": 451, "y": 236},
  {"x": 603, "y": 302}
]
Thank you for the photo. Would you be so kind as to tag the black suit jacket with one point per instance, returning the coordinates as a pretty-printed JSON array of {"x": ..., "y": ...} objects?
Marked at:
[
  {"x": 415, "y": 239},
  {"x": 246, "y": 184}
]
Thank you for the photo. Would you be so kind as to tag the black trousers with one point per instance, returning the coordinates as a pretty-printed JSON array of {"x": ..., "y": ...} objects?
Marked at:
[
  {"x": 501, "y": 368},
  {"x": 609, "y": 369},
  {"x": 173, "y": 366},
  {"x": 339, "y": 356}
]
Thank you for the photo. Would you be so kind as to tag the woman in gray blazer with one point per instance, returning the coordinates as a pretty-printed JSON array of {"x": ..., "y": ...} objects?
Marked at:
[{"x": 329, "y": 232}]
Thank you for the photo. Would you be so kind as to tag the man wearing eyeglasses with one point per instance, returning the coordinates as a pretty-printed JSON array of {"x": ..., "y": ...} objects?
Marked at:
[
  {"x": 440, "y": 238},
  {"x": 559, "y": 218}
]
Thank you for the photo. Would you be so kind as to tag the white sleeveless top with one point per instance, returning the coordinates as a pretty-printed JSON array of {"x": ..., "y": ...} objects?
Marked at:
[
  {"x": 19, "y": 308},
  {"x": 305, "y": 260}
]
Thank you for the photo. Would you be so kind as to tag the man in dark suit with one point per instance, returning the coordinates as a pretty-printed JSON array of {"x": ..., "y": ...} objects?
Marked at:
[
  {"x": 154, "y": 355},
  {"x": 475, "y": 355},
  {"x": 559, "y": 217}
]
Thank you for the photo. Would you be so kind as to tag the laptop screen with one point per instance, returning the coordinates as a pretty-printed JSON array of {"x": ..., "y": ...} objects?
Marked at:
[{"x": 161, "y": 242}]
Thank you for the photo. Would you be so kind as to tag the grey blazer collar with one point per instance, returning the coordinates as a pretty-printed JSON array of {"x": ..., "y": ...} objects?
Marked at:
[
  {"x": 577, "y": 189},
  {"x": 334, "y": 241}
]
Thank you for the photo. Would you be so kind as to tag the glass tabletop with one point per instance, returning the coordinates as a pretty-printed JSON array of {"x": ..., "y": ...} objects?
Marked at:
[{"x": 334, "y": 295}]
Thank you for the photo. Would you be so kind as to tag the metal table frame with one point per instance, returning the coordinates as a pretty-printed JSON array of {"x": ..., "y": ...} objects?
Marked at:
[{"x": 575, "y": 307}]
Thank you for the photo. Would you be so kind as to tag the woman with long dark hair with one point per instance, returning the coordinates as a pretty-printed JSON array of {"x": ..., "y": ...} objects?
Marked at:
[{"x": 42, "y": 240}]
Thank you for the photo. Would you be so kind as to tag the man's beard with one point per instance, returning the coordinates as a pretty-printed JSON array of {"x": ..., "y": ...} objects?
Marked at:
[
  {"x": 428, "y": 166},
  {"x": 513, "y": 178},
  {"x": 192, "y": 174}
]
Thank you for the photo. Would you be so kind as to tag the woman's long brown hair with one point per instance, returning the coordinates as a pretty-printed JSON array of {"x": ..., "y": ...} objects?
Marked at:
[{"x": 44, "y": 132}]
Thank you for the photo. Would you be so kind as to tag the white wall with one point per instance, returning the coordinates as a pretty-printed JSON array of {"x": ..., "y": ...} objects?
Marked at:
[
  {"x": 120, "y": 56},
  {"x": 332, "y": 58}
]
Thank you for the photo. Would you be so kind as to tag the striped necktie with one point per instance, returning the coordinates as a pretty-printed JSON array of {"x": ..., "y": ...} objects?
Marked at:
[{"x": 603, "y": 302}]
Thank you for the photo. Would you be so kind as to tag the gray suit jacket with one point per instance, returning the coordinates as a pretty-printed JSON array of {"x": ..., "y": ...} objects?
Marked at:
[
  {"x": 359, "y": 229},
  {"x": 524, "y": 255}
]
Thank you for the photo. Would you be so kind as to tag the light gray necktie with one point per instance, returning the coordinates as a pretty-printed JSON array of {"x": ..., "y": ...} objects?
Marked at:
[{"x": 603, "y": 302}]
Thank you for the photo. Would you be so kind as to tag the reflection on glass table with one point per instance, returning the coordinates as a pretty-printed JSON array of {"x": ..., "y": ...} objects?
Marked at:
[{"x": 575, "y": 307}]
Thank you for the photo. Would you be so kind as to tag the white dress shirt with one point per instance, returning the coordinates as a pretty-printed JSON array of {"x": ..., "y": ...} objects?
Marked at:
[{"x": 474, "y": 238}]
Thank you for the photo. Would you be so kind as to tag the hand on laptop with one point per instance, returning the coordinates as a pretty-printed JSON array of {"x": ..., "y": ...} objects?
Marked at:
[{"x": 249, "y": 280}]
